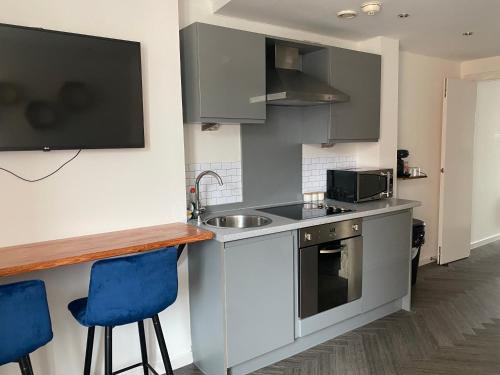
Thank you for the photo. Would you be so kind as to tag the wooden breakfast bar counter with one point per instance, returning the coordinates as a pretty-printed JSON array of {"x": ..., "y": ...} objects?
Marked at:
[{"x": 15, "y": 260}]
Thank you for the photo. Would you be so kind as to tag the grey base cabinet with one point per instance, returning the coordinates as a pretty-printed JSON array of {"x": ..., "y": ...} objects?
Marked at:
[
  {"x": 259, "y": 296},
  {"x": 241, "y": 299},
  {"x": 386, "y": 258},
  {"x": 223, "y": 75},
  {"x": 244, "y": 301}
]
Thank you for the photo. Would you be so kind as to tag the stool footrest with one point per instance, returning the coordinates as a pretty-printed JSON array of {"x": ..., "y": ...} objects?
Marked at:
[{"x": 135, "y": 366}]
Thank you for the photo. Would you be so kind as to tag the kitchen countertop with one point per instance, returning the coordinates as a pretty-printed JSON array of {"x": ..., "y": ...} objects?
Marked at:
[{"x": 282, "y": 224}]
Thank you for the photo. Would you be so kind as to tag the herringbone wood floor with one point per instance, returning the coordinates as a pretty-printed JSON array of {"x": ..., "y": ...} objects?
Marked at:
[{"x": 454, "y": 329}]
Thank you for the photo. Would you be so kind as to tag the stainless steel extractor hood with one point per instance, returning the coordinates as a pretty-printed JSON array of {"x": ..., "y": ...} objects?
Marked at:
[{"x": 287, "y": 85}]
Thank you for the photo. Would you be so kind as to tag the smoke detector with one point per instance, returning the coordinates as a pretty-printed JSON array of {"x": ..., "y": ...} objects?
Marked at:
[
  {"x": 371, "y": 7},
  {"x": 347, "y": 14}
]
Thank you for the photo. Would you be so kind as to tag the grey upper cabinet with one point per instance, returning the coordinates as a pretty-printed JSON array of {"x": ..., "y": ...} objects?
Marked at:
[
  {"x": 223, "y": 75},
  {"x": 386, "y": 258},
  {"x": 259, "y": 296},
  {"x": 359, "y": 75}
]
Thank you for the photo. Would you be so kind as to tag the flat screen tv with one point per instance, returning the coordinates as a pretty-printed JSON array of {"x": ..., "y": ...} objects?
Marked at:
[{"x": 68, "y": 91}]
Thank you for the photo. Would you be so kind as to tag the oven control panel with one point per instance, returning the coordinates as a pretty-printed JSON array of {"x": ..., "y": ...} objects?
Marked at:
[{"x": 330, "y": 232}]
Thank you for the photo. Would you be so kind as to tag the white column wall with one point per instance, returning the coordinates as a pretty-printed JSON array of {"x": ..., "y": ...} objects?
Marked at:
[{"x": 102, "y": 190}]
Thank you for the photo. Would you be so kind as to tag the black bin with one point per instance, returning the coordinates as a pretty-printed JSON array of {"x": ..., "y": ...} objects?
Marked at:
[{"x": 418, "y": 239}]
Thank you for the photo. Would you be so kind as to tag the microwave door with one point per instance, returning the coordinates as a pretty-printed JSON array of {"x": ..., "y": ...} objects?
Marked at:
[{"x": 371, "y": 186}]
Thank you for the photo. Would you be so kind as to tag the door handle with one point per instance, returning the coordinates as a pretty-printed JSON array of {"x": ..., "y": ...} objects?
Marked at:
[
  {"x": 387, "y": 193},
  {"x": 332, "y": 251}
]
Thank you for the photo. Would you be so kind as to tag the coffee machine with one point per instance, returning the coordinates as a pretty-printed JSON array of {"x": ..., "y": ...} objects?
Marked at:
[{"x": 402, "y": 154}]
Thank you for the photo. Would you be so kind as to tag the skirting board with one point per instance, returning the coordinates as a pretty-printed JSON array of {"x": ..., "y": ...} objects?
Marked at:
[
  {"x": 485, "y": 241},
  {"x": 428, "y": 260},
  {"x": 177, "y": 361},
  {"x": 180, "y": 360}
]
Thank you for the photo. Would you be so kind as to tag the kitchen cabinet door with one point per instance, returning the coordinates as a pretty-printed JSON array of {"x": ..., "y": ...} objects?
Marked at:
[
  {"x": 386, "y": 258},
  {"x": 358, "y": 74},
  {"x": 259, "y": 296},
  {"x": 223, "y": 75}
]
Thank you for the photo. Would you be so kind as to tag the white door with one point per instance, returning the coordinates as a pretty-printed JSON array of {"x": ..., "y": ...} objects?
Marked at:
[{"x": 457, "y": 143}]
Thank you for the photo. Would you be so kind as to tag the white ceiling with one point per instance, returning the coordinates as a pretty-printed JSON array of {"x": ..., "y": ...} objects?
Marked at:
[{"x": 434, "y": 27}]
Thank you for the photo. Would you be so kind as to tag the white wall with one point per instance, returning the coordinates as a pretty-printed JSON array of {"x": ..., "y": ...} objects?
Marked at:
[
  {"x": 102, "y": 190},
  {"x": 481, "y": 69},
  {"x": 420, "y": 111},
  {"x": 222, "y": 145},
  {"x": 486, "y": 182}
]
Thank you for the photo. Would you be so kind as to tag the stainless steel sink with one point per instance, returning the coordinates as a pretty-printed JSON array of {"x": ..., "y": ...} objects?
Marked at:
[{"x": 238, "y": 221}]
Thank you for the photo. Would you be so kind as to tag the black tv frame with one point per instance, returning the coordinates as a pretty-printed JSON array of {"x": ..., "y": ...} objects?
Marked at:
[{"x": 82, "y": 147}]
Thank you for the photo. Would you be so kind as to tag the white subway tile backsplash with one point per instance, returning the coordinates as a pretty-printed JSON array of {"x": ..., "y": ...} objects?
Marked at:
[
  {"x": 210, "y": 191},
  {"x": 314, "y": 170},
  {"x": 313, "y": 178},
  {"x": 215, "y": 166},
  {"x": 221, "y": 172}
]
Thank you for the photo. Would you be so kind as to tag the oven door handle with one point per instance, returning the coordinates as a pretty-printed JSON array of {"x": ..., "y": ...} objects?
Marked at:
[{"x": 333, "y": 251}]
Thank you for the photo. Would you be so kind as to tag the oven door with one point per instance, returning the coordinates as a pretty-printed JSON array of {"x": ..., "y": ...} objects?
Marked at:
[
  {"x": 330, "y": 275},
  {"x": 374, "y": 185}
]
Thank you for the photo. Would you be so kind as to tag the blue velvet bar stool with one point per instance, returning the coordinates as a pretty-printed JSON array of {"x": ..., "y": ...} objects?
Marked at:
[
  {"x": 128, "y": 290},
  {"x": 24, "y": 322}
]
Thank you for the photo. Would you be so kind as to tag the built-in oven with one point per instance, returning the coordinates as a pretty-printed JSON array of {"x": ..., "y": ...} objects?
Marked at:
[
  {"x": 330, "y": 266},
  {"x": 359, "y": 185}
]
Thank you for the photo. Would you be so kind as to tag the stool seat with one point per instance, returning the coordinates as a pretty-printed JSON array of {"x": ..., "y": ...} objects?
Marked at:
[{"x": 24, "y": 320}]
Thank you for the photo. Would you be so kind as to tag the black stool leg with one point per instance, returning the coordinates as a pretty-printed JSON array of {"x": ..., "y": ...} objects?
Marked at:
[
  {"x": 163, "y": 346},
  {"x": 25, "y": 366},
  {"x": 88, "y": 352},
  {"x": 108, "y": 351},
  {"x": 28, "y": 362},
  {"x": 144, "y": 350}
]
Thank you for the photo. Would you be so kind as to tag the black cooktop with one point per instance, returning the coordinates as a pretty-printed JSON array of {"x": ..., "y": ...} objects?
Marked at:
[{"x": 303, "y": 211}]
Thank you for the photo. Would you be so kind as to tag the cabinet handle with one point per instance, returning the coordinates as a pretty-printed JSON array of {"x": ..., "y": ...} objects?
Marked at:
[{"x": 258, "y": 99}]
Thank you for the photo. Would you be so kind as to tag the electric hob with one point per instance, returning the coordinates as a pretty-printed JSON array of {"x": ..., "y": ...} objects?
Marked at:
[{"x": 303, "y": 211}]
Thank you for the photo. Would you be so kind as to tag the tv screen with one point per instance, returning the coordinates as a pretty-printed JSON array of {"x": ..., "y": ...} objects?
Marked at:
[{"x": 67, "y": 91}]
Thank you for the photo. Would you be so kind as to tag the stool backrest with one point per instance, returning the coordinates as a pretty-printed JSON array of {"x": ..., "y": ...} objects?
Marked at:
[{"x": 129, "y": 289}]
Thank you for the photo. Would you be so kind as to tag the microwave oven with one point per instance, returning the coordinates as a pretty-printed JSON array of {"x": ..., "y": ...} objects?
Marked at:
[{"x": 359, "y": 185}]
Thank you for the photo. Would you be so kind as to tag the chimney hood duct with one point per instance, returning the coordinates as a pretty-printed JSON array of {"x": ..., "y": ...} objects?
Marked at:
[{"x": 287, "y": 85}]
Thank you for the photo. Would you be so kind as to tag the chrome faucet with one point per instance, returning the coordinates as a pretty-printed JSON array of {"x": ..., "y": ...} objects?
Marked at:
[{"x": 198, "y": 209}]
